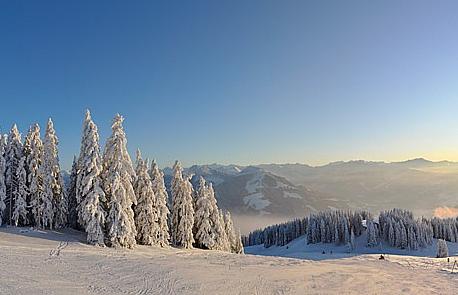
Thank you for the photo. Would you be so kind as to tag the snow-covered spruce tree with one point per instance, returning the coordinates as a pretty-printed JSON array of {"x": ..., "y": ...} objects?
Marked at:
[
  {"x": 401, "y": 230},
  {"x": 205, "y": 235},
  {"x": 210, "y": 231},
  {"x": 238, "y": 249},
  {"x": 230, "y": 232},
  {"x": 13, "y": 154},
  {"x": 160, "y": 192},
  {"x": 54, "y": 199},
  {"x": 352, "y": 241},
  {"x": 33, "y": 152},
  {"x": 146, "y": 213},
  {"x": 26, "y": 152},
  {"x": 333, "y": 226},
  {"x": 221, "y": 238},
  {"x": 371, "y": 234},
  {"x": 442, "y": 249},
  {"x": 2, "y": 178},
  {"x": 72, "y": 218},
  {"x": 89, "y": 193},
  {"x": 118, "y": 176},
  {"x": 20, "y": 204},
  {"x": 182, "y": 209},
  {"x": 444, "y": 228}
]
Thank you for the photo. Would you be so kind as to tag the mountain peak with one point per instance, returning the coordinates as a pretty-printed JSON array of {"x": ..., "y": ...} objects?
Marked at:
[{"x": 416, "y": 161}]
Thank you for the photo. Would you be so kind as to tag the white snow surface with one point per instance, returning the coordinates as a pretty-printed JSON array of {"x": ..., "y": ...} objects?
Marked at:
[
  {"x": 255, "y": 198},
  {"x": 52, "y": 262},
  {"x": 256, "y": 201},
  {"x": 298, "y": 248}
]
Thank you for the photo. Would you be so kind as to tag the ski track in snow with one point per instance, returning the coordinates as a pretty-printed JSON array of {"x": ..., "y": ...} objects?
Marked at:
[{"x": 58, "y": 263}]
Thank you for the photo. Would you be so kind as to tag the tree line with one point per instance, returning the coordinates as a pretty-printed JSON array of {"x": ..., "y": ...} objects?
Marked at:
[
  {"x": 115, "y": 202},
  {"x": 398, "y": 228}
]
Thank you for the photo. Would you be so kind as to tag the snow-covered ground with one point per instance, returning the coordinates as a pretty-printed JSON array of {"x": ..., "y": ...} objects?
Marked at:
[
  {"x": 299, "y": 249},
  {"x": 45, "y": 262}
]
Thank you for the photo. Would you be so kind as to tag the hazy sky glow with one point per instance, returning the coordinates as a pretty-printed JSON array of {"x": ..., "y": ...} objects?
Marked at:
[{"x": 238, "y": 81}]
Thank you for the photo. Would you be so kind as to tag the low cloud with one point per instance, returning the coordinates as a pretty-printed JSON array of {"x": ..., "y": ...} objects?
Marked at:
[{"x": 445, "y": 212}]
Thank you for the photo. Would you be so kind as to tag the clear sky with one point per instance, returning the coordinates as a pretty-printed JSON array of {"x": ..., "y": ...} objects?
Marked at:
[{"x": 238, "y": 81}]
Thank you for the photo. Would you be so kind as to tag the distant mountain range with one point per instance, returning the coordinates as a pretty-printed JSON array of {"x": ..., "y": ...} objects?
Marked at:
[
  {"x": 291, "y": 190},
  {"x": 281, "y": 190},
  {"x": 255, "y": 191},
  {"x": 417, "y": 184}
]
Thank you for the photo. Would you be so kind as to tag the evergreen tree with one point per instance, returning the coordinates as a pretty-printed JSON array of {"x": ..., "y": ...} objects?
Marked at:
[
  {"x": 118, "y": 176},
  {"x": 221, "y": 238},
  {"x": 33, "y": 150},
  {"x": 146, "y": 213},
  {"x": 442, "y": 248},
  {"x": 89, "y": 193},
  {"x": 160, "y": 192},
  {"x": 371, "y": 234},
  {"x": 54, "y": 204},
  {"x": 182, "y": 209},
  {"x": 352, "y": 241},
  {"x": 13, "y": 155},
  {"x": 238, "y": 249},
  {"x": 210, "y": 233},
  {"x": 20, "y": 204},
  {"x": 2, "y": 178},
  {"x": 230, "y": 232},
  {"x": 71, "y": 194},
  {"x": 204, "y": 233}
]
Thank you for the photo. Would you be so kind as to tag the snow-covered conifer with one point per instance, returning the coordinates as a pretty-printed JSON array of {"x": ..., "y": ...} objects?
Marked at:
[
  {"x": 2, "y": 178},
  {"x": 442, "y": 248},
  {"x": 118, "y": 176},
  {"x": 323, "y": 231},
  {"x": 371, "y": 234},
  {"x": 72, "y": 218},
  {"x": 182, "y": 209},
  {"x": 210, "y": 232},
  {"x": 346, "y": 236},
  {"x": 238, "y": 249},
  {"x": 202, "y": 227},
  {"x": 20, "y": 204},
  {"x": 230, "y": 232},
  {"x": 146, "y": 213},
  {"x": 221, "y": 238},
  {"x": 204, "y": 233},
  {"x": 33, "y": 152},
  {"x": 89, "y": 193},
  {"x": 352, "y": 241},
  {"x": 54, "y": 199},
  {"x": 160, "y": 192},
  {"x": 13, "y": 154}
]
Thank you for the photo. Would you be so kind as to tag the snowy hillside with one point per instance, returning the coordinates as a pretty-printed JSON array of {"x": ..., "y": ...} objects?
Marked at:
[
  {"x": 419, "y": 185},
  {"x": 299, "y": 248},
  {"x": 290, "y": 190},
  {"x": 252, "y": 191},
  {"x": 45, "y": 262}
]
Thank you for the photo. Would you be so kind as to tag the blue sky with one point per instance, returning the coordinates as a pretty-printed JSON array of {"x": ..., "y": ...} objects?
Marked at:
[{"x": 238, "y": 81}]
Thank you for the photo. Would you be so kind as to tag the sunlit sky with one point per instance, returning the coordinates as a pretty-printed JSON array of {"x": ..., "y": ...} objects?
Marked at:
[{"x": 241, "y": 82}]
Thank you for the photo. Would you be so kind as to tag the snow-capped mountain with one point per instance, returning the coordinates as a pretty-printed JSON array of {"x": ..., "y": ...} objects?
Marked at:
[
  {"x": 419, "y": 185},
  {"x": 254, "y": 191},
  {"x": 290, "y": 190},
  {"x": 294, "y": 189}
]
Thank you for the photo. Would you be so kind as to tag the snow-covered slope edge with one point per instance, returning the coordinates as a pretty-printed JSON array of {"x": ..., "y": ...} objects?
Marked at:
[
  {"x": 299, "y": 248},
  {"x": 57, "y": 263}
]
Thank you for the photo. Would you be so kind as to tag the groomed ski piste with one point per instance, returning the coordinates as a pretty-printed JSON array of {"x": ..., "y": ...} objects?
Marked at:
[
  {"x": 299, "y": 249},
  {"x": 60, "y": 262}
]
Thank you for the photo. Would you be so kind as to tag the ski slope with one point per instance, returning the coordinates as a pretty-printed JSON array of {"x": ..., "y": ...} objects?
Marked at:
[
  {"x": 48, "y": 262},
  {"x": 298, "y": 248}
]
